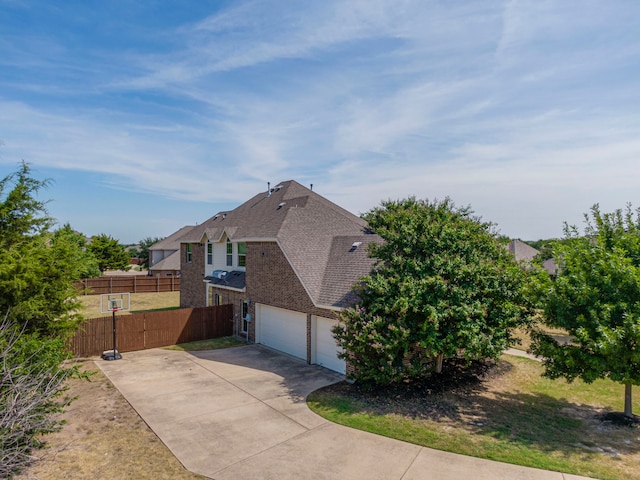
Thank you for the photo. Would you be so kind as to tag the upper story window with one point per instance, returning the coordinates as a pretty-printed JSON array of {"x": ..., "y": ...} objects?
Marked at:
[
  {"x": 229, "y": 253},
  {"x": 189, "y": 254},
  {"x": 209, "y": 253},
  {"x": 242, "y": 254}
]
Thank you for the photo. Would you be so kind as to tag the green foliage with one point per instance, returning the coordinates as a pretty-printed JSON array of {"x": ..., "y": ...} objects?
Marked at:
[
  {"x": 109, "y": 253},
  {"x": 73, "y": 245},
  {"x": 31, "y": 384},
  {"x": 37, "y": 268},
  {"x": 596, "y": 298},
  {"x": 22, "y": 216},
  {"x": 545, "y": 246},
  {"x": 444, "y": 284},
  {"x": 143, "y": 252}
]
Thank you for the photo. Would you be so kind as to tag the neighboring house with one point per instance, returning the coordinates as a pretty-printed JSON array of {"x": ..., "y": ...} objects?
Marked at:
[
  {"x": 164, "y": 256},
  {"x": 287, "y": 260},
  {"x": 550, "y": 266},
  {"x": 522, "y": 252}
]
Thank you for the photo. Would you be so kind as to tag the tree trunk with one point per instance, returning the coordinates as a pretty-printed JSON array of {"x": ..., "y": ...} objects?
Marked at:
[
  {"x": 439, "y": 359},
  {"x": 628, "y": 401}
]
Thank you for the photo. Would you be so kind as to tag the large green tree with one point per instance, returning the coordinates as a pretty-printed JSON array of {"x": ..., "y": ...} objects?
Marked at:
[
  {"x": 111, "y": 255},
  {"x": 38, "y": 308},
  {"x": 38, "y": 268},
  {"x": 74, "y": 246},
  {"x": 596, "y": 298},
  {"x": 444, "y": 285}
]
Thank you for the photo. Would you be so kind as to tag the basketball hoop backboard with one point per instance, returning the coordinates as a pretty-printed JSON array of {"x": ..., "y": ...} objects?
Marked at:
[{"x": 114, "y": 302}]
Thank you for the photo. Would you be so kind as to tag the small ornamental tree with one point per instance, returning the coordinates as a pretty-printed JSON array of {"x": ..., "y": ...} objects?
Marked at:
[
  {"x": 109, "y": 253},
  {"x": 443, "y": 286},
  {"x": 596, "y": 298}
]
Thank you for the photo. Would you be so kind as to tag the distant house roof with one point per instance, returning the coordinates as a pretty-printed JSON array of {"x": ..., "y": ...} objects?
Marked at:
[
  {"x": 550, "y": 266},
  {"x": 522, "y": 251},
  {"x": 315, "y": 234},
  {"x": 172, "y": 242},
  {"x": 171, "y": 262}
]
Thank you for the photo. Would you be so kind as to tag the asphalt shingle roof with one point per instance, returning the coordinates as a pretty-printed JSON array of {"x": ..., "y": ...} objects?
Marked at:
[
  {"x": 314, "y": 233},
  {"x": 234, "y": 279},
  {"x": 172, "y": 262},
  {"x": 172, "y": 242}
]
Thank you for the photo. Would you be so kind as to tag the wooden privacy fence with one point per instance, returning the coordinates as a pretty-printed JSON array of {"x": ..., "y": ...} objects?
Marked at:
[
  {"x": 130, "y": 283},
  {"x": 153, "y": 329}
]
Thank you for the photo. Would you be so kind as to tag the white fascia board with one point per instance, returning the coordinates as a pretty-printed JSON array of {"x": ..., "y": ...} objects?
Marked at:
[
  {"x": 203, "y": 237},
  {"x": 330, "y": 307},
  {"x": 224, "y": 287}
]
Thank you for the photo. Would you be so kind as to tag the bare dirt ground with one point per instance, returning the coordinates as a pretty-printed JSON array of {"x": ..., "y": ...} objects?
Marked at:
[{"x": 103, "y": 438}]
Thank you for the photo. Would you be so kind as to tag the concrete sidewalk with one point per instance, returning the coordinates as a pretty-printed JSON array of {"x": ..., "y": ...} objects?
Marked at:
[{"x": 241, "y": 413}]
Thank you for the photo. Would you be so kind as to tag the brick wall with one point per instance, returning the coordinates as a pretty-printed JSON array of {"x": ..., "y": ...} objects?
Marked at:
[
  {"x": 235, "y": 298},
  {"x": 193, "y": 292},
  {"x": 272, "y": 281}
]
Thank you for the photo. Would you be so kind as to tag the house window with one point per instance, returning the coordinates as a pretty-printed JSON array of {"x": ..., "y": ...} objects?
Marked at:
[
  {"x": 213, "y": 298},
  {"x": 242, "y": 254},
  {"x": 209, "y": 253},
  {"x": 189, "y": 252},
  {"x": 229, "y": 253},
  {"x": 245, "y": 312}
]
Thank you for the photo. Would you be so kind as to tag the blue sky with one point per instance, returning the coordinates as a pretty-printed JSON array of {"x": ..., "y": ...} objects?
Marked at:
[{"x": 152, "y": 115}]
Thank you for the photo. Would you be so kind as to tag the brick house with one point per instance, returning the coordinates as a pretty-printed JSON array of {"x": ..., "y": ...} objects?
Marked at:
[
  {"x": 164, "y": 256},
  {"x": 286, "y": 259}
]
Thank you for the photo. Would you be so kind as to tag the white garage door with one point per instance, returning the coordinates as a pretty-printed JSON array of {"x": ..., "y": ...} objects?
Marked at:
[
  {"x": 326, "y": 350},
  {"x": 284, "y": 330}
]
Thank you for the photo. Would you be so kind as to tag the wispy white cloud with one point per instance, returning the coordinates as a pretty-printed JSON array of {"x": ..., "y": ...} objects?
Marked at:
[{"x": 512, "y": 106}]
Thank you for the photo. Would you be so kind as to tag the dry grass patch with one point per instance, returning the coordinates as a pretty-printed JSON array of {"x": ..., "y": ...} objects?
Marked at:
[
  {"x": 140, "y": 302},
  {"x": 103, "y": 438}
]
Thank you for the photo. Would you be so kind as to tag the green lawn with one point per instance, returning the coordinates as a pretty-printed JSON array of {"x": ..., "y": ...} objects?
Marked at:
[
  {"x": 211, "y": 344},
  {"x": 515, "y": 416}
]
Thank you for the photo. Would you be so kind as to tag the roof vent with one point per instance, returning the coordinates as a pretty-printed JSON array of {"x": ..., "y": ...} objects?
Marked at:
[
  {"x": 354, "y": 246},
  {"x": 280, "y": 205},
  {"x": 277, "y": 187},
  {"x": 268, "y": 189},
  {"x": 224, "y": 215}
]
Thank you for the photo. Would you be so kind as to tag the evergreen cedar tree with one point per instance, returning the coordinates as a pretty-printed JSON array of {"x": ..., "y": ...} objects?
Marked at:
[
  {"x": 38, "y": 267},
  {"x": 109, "y": 253},
  {"x": 38, "y": 302},
  {"x": 443, "y": 286},
  {"x": 596, "y": 299}
]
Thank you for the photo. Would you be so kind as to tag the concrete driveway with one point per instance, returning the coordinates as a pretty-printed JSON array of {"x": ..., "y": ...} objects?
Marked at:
[{"x": 241, "y": 413}]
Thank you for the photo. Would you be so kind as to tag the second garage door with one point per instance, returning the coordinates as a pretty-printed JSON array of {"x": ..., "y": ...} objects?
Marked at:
[
  {"x": 284, "y": 330},
  {"x": 326, "y": 350}
]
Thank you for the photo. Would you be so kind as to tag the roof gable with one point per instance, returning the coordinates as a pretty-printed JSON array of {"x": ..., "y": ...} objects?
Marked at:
[
  {"x": 305, "y": 225},
  {"x": 172, "y": 242}
]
